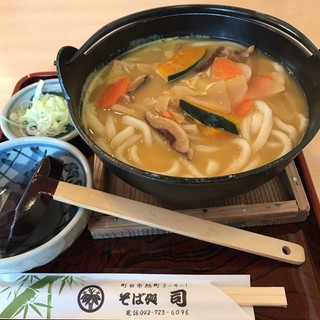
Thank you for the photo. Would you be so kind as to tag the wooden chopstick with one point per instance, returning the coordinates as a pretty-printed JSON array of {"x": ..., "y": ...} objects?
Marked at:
[{"x": 257, "y": 296}]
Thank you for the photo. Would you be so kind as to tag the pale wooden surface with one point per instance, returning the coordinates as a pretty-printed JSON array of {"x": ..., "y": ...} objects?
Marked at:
[
  {"x": 32, "y": 32},
  {"x": 257, "y": 296},
  {"x": 172, "y": 221}
]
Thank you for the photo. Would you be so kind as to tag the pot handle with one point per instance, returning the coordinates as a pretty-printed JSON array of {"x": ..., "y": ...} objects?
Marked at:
[
  {"x": 109, "y": 28},
  {"x": 242, "y": 13}
]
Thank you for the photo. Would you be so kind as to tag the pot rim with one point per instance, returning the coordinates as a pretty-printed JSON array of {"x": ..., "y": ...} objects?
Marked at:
[{"x": 232, "y": 11}]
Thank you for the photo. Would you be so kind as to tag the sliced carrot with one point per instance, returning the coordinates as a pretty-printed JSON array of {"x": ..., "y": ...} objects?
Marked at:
[
  {"x": 115, "y": 92},
  {"x": 262, "y": 86},
  {"x": 167, "y": 114},
  {"x": 224, "y": 68},
  {"x": 243, "y": 107},
  {"x": 259, "y": 84},
  {"x": 181, "y": 62}
]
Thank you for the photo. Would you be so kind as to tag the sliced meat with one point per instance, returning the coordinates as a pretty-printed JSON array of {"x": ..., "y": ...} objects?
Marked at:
[
  {"x": 172, "y": 131},
  {"x": 178, "y": 117}
]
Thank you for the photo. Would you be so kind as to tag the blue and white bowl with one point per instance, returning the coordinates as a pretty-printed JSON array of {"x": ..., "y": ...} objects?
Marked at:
[
  {"x": 22, "y": 100},
  {"x": 19, "y": 159}
]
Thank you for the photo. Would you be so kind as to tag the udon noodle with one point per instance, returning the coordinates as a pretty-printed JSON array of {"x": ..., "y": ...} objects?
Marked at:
[{"x": 149, "y": 108}]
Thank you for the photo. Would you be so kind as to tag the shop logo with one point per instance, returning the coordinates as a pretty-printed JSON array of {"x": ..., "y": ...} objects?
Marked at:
[{"x": 91, "y": 298}]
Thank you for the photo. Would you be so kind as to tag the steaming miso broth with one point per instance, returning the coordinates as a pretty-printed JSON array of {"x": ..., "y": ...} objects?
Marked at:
[{"x": 194, "y": 108}]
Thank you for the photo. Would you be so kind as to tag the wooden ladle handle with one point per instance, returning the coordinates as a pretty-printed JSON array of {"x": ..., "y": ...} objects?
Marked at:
[{"x": 180, "y": 223}]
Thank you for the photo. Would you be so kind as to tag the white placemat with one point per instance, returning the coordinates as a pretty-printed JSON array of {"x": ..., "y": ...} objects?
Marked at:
[{"x": 120, "y": 296}]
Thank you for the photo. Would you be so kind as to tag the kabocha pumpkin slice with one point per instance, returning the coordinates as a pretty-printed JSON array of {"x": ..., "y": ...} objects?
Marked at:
[
  {"x": 208, "y": 118},
  {"x": 210, "y": 132},
  {"x": 180, "y": 63}
]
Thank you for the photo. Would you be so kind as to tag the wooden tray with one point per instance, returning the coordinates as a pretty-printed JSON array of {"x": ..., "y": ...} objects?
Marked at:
[
  {"x": 281, "y": 200},
  {"x": 174, "y": 254}
]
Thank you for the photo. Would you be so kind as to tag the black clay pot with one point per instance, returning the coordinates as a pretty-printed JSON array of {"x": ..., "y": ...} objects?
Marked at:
[{"x": 275, "y": 37}]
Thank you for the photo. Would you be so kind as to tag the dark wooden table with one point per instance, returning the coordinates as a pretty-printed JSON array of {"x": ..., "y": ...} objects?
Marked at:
[{"x": 174, "y": 254}]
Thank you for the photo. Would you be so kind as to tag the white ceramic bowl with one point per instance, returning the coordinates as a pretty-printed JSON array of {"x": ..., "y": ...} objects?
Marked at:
[
  {"x": 21, "y": 99},
  {"x": 18, "y": 160}
]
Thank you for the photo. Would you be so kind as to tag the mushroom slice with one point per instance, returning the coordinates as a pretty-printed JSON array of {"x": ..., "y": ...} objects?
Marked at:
[
  {"x": 207, "y": 63},
  {"x": 172, "y": 132},
  {"x": 138, "y": 82},
  {"x": 242, "y": 55}
]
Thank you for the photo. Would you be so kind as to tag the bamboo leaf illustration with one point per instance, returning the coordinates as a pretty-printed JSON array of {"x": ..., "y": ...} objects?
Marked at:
[
  {"x": 35, "y": 309},
  {"x": 20, "y": 282},
  {"x": 26, "y": 296},
  {"x": 75, "y": 280},
  {"x": 9, "y": 293},
  {"x": 5, "y": 289},
  {"x": 39, "y": 304},
  {"x": 17, "y": 303},
  {"x": 23, "y": 281},
  {"x": 62, "y": 286},
  {"x": 21, "y": 278},
  {"x": 24, "y": 300},
  {"x": 70, "y": 280}
]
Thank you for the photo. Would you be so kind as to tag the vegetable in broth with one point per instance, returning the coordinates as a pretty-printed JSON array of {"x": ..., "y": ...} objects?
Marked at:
[{"x": 194, "y": 107}]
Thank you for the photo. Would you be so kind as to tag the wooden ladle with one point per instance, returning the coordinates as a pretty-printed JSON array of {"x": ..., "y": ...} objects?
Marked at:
[{"x": 44, "y": 186}]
